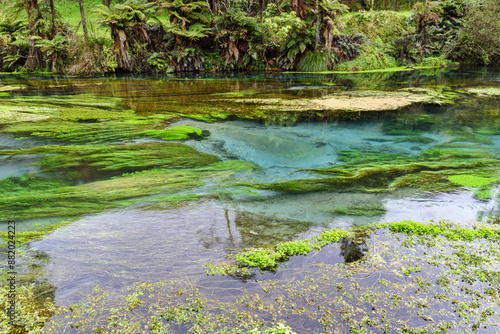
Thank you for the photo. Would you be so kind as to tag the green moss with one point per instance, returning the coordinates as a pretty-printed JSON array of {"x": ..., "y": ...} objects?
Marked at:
[
  {"x": 474, "y": 181},
  {"x": 176, "y": 133}
]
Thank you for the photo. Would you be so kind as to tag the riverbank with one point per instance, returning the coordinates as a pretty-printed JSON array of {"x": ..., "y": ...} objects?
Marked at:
[{"x": 167, "y": 38}]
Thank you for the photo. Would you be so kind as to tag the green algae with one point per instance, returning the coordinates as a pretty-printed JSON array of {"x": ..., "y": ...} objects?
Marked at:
[
  {"x": 47, "y": 197},
  {"x": 475, "y": 181},
  {"x": 415, "y": 139},
  {"x": 11, "y": 88},
  {"x": 38, "y": 232},
  {"x": 427, "y": 172},
  {"x": 444, "y": 229},
  {"x": 178, "y": 132},
  {"x": 237, "y": 94},
  {"x": 161, "y": 168},
  {"x": 365, "y": 156},
  {"x": 483, "y": 194},
  {"x": 90, "y": 161},
  {"x": 72, "y": 132},
  {"x": 163, "y": 202},
  {"x": 360, "y": 210}
]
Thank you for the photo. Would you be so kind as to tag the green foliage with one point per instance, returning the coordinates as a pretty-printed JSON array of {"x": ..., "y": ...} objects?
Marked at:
[
  {"x": 378, "y": 26},
  {"x": 188, "y": 19},
  {"x": 371, "y": 57},
  {"x": 478, "y": 41},
  {"x": 434, "y": 27},
  {"x": 315, "y": 61}
]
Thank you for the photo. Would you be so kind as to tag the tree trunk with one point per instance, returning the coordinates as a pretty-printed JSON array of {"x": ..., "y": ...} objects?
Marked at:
[
  {"x": 84, "y": 20},
  {"x": 318, "y": 18},
  {"x": 53, "y": 12}
]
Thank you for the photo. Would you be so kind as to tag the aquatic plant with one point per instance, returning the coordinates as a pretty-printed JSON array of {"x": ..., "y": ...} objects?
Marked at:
[
  {"x": 378, "y": 172},
  {"x": 178, "y": 132},
  {"x": 268, "y": 259},
  {"x": 475, "y": 181},
  {"x": 440, "y": 276}
]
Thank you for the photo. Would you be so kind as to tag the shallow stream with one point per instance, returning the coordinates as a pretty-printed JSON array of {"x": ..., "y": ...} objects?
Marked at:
[{"x": 116, "y": 246}]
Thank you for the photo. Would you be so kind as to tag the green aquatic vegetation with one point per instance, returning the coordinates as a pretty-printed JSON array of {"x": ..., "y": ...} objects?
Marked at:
[
  {"x": 88, "y": 133},
  {"x": 32, "y": 312},
  {"x": 356, "y": 157},
  {"x": 472, "y": 138},
  {"x": 83, "y": 100},
  {"x": 268, "y": 258},
  {"x": 40, "y": 230},
  {"x": 415, "y": 139},
  {"x": 70, "y": 107},
  {"x": 94, "y": 197},
  {"x": 8, "y": 117},
  {"x": 178, "y": 132},
  {"x": 10, "y": 88},
  {"x": 91, "y": 161},
  {"x": 236, "y": 94},
  {"x": 446, "y": 230},
  {"x": 438, "y": 277},
  {"x": 360, "y": 210},
  {"x": 483, "y": 194},
  {"x": 484, "y": 91},
  {"x": 475, "y": 181},
  {"x": 52, "y": 199},
  {"x": 162, "y": 202},
  {"x": 428, "y": 171}
]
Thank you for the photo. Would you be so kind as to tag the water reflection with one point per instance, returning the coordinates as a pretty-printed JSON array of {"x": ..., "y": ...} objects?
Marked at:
[
  {"x": 116, "y": 248},
  {"x": 354, "y": 248}
]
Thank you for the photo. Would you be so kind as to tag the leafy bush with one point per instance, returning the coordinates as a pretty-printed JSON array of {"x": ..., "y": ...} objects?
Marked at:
[
  {"x": 478, "y": 41},
  {"x": 315, "y": 61}
]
